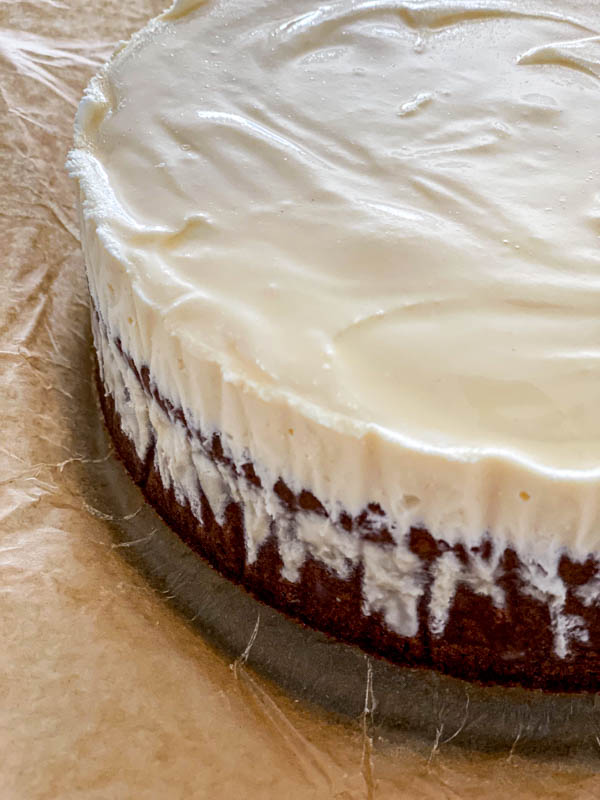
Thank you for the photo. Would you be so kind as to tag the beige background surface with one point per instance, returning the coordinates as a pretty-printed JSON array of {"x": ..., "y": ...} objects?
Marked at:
[{"x": 105, "y": 692}]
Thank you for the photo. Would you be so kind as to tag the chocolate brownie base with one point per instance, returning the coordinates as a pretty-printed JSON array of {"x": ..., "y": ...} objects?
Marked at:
[{"x": 481, "y": 643}]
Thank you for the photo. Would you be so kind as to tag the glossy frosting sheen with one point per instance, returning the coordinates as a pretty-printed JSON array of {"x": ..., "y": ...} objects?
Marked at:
[{"x": 385, "y": 215}]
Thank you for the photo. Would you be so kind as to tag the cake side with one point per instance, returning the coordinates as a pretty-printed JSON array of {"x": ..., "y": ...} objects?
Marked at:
[
  {"x": 468, "y": 611},
  {"x": 344, "y": 266}
]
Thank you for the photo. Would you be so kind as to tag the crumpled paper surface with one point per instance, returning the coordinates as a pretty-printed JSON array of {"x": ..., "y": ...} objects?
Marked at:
[{"x": 105, "y": 690}]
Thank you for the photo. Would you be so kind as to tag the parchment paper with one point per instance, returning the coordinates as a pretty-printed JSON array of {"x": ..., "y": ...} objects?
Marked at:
[{"x": 105, "y": 690}]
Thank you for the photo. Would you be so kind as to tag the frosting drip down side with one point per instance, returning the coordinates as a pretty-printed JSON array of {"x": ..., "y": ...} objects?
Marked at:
[{"x": 413, "y": 587}]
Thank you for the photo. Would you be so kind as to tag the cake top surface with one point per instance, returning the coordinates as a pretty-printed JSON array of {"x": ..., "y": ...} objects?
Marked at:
[{"x": 388, "y": 212}]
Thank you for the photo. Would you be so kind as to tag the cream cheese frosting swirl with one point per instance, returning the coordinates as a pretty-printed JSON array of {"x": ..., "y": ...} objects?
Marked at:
[{"x": 382, "y": 216}]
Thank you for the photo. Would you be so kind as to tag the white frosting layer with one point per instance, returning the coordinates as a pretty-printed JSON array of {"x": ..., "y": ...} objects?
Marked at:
[{"x": 361, "y": 241}]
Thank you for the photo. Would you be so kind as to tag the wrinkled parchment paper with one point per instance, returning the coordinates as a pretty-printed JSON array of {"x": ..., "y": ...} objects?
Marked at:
[{"x": 105, "y": 690}]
